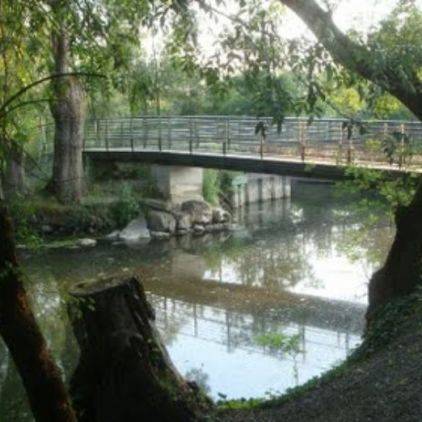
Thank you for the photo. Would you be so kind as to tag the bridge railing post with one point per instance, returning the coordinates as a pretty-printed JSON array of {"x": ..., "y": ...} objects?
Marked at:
[
  {"x": 228, "y": 133},
  {"x": 160, "y": 146},
  {"x": 169, "y": 139},
  {"x": 106, "y": 136},
  {"x": 384, "y": 135},
  {"x": 145, "y": 132},
  {"x": 302, "y": 140},
  {"x": 339, "y": 155},
  {"x": 350, "y": 149},
  {"x": 97, "y": 132},
  {"x": 190, "y": 135},
  {"x": 262, "y": 143},
  {"x": 401, "y": 151},
  {"x": 131, "y": 134}
]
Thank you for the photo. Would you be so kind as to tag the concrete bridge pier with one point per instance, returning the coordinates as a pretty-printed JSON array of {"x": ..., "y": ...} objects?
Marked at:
[
  {"x": 179, "y": 183},
  {"x": 253, "y": 188}
]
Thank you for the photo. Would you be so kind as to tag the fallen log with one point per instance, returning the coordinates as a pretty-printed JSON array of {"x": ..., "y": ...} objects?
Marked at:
[{"x": 124, "y": 372}]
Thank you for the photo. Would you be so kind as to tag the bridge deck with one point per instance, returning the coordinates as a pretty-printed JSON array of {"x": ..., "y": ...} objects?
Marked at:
[{"x": 287, "y": 166}]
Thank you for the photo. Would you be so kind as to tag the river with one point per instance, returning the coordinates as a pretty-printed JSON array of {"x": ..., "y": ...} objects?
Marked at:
[{"x": 248, "y": 313}]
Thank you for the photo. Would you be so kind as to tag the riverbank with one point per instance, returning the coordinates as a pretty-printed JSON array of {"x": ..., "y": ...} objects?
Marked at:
[
  {"x": 42, "y": 221},
  {"x": 381, "y": 380}
]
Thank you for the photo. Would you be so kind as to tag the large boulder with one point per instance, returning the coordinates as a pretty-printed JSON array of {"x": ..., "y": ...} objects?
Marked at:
[
  {"x": 198, "y": 229},
  {"x": 86, "y": 243},
  {"x": 160, "y": 221},
  {"x": 184, "y": 221},
  {"x": 136, "y": 230},
  {"x": 157, "y": 204},
  {"x": 199, "y": 211},
  {"x": 220, "y": 215},
  {"x": 160, "y": 235}
]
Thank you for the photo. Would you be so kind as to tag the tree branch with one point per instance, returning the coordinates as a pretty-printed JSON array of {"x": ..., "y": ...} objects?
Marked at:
[
  {"x": 356, "y": 57},
  {"x": 26, "y": 88},
  {"x": 24, "y": 104}
]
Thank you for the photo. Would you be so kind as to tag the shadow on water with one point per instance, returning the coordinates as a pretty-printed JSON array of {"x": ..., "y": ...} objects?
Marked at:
[{"x": 228, "y": 305}]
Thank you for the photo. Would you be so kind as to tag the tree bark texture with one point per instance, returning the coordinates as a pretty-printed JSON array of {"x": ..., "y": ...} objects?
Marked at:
[
  {"x": 68, "y": 108},
  {"x": 40, "y": 376},
  {"x": 14, "y": 176},
  {"x": 401, "y": 272},
  {"x": 124, "y": 372}
]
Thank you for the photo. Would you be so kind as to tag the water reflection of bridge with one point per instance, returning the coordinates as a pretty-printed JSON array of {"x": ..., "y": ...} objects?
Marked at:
[
  {"x": 240, "y": 331},
  {"x": 278, "y": 306}
]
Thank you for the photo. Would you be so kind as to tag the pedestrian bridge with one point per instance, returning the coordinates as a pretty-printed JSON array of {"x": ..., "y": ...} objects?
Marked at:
[{"x": 322, "y": 147}]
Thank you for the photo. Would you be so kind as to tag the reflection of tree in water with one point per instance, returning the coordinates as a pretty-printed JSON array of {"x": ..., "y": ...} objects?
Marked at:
[{"x": 273, "y": 264}]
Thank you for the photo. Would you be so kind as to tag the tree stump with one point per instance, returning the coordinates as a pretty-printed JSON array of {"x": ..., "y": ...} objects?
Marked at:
[{"x": 124, "y": 372}]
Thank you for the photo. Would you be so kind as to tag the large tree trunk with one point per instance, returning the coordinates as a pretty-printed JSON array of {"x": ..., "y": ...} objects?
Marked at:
[
  {"x": 124, "y": 372},
  {"x": 402, "y": 271},
  {"x": 18, "y": 327},
  {"x": 14, "y": 175},
  {"x": 68, "y": 109}
]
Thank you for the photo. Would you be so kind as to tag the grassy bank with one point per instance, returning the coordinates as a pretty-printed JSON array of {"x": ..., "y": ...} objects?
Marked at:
[{"x": 41, "y": 218}]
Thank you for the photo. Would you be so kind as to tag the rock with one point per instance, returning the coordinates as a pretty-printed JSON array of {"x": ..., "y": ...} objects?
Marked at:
[
  {"x": 137, "y": 229},
  {"x": 113, "y": 235},
  {"x": 160, "y": 221},
  {"x": 234, "y": 227},
  {"x": 220, "y": 215},
  {"x": 86, "y": 243},
  {"x": 46, "y": 229},
  {"x": 160, "y": 235},
  {"x": 184, "y": 221},
  {"x": 182, "y": 232},
  {"x": 198, "y": 229},
  {"x": 199, "y": 211},
  {"x": 157, "y": 204},
  {"x": 213, "y": 228}
]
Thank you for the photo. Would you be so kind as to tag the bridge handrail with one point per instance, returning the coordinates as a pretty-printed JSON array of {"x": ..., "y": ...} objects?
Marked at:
[{"x": 299, "y": 136}]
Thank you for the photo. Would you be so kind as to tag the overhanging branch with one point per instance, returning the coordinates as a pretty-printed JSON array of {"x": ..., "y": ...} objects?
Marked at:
[
  {"x": 26, "y": 88},
  {"x": 357, "y": 57}
]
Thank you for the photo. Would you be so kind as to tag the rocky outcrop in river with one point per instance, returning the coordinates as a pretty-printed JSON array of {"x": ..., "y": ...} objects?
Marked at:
[{"x": 161, "y": 220}]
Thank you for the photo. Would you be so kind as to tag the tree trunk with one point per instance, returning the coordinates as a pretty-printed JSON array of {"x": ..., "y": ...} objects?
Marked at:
[
  {"x": 19, "y": 329},
  {"x": 14, "y": 176},
  {"x": 68, "y": 109},
  {"x": 124, "y": 372},
  {"x": 402, "y": 271}
]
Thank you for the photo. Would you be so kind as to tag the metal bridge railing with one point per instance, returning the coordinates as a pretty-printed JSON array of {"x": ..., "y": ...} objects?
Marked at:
[{"x": 397, "y": 143}]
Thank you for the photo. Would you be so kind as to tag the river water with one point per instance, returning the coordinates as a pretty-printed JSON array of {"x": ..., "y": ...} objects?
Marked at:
[{"x": 249, "y": 313}]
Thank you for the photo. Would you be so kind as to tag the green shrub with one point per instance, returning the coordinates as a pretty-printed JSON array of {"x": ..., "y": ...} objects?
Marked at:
[
  {"x": 126, "y": 208},
  {"x": 23, "y": 213},
  {"x": 211, "y": 186}
]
